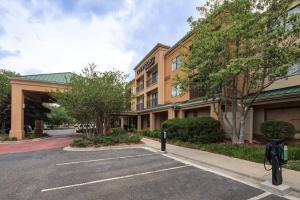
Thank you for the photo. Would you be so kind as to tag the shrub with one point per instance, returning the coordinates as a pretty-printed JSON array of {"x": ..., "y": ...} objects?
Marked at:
[
  {"x": 79, "y": 143},
  {"x": 117, "y": 131},
  {"x": 7, "y": 138},
  {"x": 278, "y": 130},
  {"x": 194, "y": 130},
  {"x": 149, "y": 133}
]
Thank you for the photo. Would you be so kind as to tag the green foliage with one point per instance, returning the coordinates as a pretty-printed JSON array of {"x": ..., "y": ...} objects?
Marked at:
[
  {"x": 255, "y": 153},
  {"x": 95, "y": 97},
  {"x": 58, "y": 115},
  {"x": 149, "y": 133},
  {"x": 194, "y": 130},
  {"x": 239, "y": 48},
  {"x": 107, "y": 140},
  {"x": 278, "y": 130},
  {"x": 4, "y": 82},
  {"x": 7, "y": 138},
  {"x": 117, "y": 131},
  {"x": 81, "y": 143}
]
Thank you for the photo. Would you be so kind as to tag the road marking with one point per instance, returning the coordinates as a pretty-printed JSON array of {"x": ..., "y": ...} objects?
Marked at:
[
  {"x": 111, "y": 179},
  {"x": 263, "y": 195},
  {"x": 211, "y": 170},
  {"x": 105, "y": 159}
]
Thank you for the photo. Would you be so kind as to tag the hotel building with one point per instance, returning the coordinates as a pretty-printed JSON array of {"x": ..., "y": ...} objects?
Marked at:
[{"x": 157, "y": 98}]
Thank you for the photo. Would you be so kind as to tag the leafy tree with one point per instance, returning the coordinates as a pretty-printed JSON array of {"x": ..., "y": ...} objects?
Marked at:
[
  {"x": 5, "y": 90},
  {"x": 58, "y": 115},
  {"x": 240, "y": 47},
  {"x": 94, "y": 98}
]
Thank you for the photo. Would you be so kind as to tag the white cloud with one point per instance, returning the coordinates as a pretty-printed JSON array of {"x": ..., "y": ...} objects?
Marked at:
[
  {"x": 67, "y": 44},
  {"x": 52, "y": 38}
]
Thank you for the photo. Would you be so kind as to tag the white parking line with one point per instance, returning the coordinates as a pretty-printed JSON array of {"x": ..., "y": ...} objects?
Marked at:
[
  {"x": 263, "y": 195},
  {"x": 105, "y": 159},
  {"x": 114, "y": 178}
]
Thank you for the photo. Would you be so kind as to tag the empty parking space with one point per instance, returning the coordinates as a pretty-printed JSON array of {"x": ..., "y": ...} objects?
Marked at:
[{"x": 134, "y": 173}]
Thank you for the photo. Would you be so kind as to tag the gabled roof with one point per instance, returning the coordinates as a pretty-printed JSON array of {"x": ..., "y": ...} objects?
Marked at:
[{"x": 59, "y": 78}]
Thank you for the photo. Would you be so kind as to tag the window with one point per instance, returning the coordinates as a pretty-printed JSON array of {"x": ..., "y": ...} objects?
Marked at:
[
  {"x": 293, "y": 11},
  {"x": 176, "y": 91},
  {"x": 294, "y": 69},
  {"x": 176, "y": 63}
]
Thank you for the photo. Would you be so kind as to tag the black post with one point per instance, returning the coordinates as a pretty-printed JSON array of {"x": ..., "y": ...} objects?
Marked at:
[
  {"x": 163, "y": 139},
  {"x": 274, "y": 154}
]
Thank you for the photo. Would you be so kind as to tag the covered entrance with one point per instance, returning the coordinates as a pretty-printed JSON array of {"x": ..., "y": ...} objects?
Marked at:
[{"x": 37, "y": 89}]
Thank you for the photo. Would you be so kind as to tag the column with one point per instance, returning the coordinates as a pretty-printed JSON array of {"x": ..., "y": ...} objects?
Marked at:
[
  {"x": 122, "y": 122},
  {"x": 17, "y": 113},
  {"x": 152, "y": 121},
  {"x": 139, "y": 122},
  {"x": 180, "y": 114},
  {"x": 38, "y": 127},
  {"x": 250, "y": 115},
  {"x": 171, "y": 113},
  {"x": 213, "y": 114}
]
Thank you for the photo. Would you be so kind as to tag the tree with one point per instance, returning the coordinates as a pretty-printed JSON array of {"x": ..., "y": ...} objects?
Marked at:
[
  {"x": 240, "y": 47},
  {"x": 5, "y": 90},
  {"x": 58, "y": 115},
  {"x": 94, "y": 98}
]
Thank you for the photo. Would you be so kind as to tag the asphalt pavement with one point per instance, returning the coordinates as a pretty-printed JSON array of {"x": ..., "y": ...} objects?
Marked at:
[{"x": 133, "y": 173}]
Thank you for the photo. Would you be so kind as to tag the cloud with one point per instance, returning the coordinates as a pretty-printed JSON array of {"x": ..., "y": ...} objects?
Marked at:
[
  {"x": 6, "y": 53},
  {"x": 66, "y": 35}
]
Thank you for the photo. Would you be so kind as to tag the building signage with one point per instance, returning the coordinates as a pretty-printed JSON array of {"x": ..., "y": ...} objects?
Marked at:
[{"x": 146, "y": 65}]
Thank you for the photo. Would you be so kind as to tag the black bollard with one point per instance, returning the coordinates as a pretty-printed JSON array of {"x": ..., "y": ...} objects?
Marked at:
[
  {"x": 163, "y": 139},
  {"x": 276, "y": 155}
]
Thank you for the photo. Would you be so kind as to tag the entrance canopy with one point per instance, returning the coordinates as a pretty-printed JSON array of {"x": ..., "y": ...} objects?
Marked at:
[{"x": 37, "y": 88}]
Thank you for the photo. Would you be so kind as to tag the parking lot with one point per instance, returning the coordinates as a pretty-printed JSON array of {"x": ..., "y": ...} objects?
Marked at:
[{"x": 132, "y": 173}]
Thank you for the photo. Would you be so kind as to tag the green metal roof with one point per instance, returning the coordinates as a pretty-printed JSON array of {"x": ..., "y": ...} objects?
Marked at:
[
  {"x": 61, "y": 78},
  {"x": 280, "y": 92}
]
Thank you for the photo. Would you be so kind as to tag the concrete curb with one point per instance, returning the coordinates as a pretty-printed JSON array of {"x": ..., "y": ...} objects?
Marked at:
[{"x": 69, "y": 148}]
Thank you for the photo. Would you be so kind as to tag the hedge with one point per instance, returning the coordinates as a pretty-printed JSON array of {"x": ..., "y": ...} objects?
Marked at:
[
  {"x": 194, "y": 130},
  {"x": 278, "y": 130},
  {"x": 149, "y": 133}
]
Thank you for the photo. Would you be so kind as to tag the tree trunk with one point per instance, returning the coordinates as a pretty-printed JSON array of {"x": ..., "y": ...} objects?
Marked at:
[{"x": 242, "y": 128}]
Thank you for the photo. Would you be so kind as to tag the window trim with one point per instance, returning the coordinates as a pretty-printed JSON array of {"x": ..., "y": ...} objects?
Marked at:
[{"x": 176, "y": 63}]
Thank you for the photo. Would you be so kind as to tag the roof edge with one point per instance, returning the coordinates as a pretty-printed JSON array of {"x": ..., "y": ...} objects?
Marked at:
[{"x": 150, "y": 52}]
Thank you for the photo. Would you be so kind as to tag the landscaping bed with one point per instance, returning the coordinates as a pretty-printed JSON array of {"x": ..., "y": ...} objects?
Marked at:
[
  {"x": 107, "y": 140},
  {"x": 251, "y": 152}
]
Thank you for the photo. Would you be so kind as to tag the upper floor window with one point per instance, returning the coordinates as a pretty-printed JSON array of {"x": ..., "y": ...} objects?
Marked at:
[
  {"x": 176, "y": 62},
  {"x": 291, "y": 12},
  {"x": 294, "y": 69},
  {"x": 176, "y": 91}
]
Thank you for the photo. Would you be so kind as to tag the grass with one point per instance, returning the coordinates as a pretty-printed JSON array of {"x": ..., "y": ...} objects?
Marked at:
[
  {"x": 253, "y": 153},
  {"x": 107, "y": 140}
]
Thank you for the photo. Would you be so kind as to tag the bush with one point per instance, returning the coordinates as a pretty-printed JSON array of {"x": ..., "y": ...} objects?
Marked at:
[
  {"x": 278, "y": 130},
  {"x": 149, "y": 133},
  {"x": 79, "y": 143},
  {"x": 117, "y": 131},
  {"x": 107, "y": 140},
  {"x": 7, "y": 138},
  {"x": 194, "y": 130}
]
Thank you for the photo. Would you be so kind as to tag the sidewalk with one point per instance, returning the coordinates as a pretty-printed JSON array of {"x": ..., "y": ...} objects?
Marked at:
[{"x": 238, "y": 166}]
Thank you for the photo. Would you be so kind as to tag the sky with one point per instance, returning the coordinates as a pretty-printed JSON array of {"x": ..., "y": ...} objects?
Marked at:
[{"x": 47, "y": 36}]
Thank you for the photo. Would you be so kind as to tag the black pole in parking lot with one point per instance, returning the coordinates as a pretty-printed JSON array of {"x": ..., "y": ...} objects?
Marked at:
[{"x": 163, "y": 139}]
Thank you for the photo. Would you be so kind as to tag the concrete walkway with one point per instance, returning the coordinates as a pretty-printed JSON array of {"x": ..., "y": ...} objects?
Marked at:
[{"x": 234, "y": 165}]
